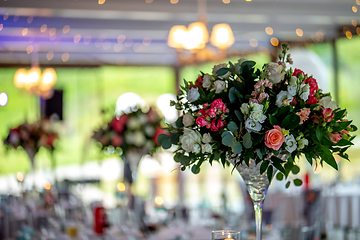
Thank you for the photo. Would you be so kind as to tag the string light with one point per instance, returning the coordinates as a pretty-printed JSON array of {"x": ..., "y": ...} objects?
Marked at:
[
  {"x": 269, "y": 30},
  {"x": 299, "y": 32},
  {"x": 77, "y": 38},
  {"x": 65, "y": 57},
  {"x": 101, "y": 2},
  {"x": 253, "y": 42},
  {"x": 29, "y": 49},
  {"x": 66, "y": 29},
  {"x": 354, "y": 9},
  {"x": 24, "y": 31},
  {"x": 43, "y": 28},
  {"x": 274, "y": 42},
  {"x": 1, "y": 26},
  {"x": 50, "y": 55}
]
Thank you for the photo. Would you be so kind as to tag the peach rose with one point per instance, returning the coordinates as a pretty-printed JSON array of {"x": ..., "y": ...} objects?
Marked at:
[{"x": 274, "y": 138}]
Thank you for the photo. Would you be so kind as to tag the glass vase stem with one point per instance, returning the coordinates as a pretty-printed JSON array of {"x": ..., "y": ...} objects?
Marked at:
[{"x": 258, "y": 219}]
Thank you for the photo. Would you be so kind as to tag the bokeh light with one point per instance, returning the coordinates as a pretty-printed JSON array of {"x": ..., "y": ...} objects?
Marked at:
[
  {"x": 65, "y": 57},
  {"x": 159, "y": 201},
  {"x": 354, "y": 22},
  {"x": 121, "y": 38},
  {"x": 24, "y": 31},
  {"x": 354, "y": 9},
  {"x": 121, "y": 187},
  {"x": 47, "y": 185},
  {"x": 174, "y": 1},
  {"x": 269, "y": 30},
  {"x": 149, "y": 1},
  {"x": 118, "y": 47},
  {"x": 274, "y": 42},
  {"x": 3, "y": 99},
  {"x": 29, "y": 49},
  {"x": 77, "y": 38},
  {"x": 87, "y": 40},
  {"x": 52, "y": 31},
  {"x": 6, "y": 16},
  {"x": 138, "y": 47},
  {"x": 299, "y": 32},
  {"x": 20, "y": 177},
  {"x": 226, "y": 1},
  {"x": 253, "y": 42},
  {"x": 101, "y": 1},
  {"x": 50, "y": 55},
  {"x": 43, "y": 28},
  {"x": 1, "y": 26},
  {"x": 29, "y": 19},
  {"x": 66, "y": 29},
  {"x": 146, "y": 41}
]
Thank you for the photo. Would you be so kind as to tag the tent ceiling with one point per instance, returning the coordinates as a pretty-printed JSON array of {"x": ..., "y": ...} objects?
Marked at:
[{"x": 100, "y": 25}]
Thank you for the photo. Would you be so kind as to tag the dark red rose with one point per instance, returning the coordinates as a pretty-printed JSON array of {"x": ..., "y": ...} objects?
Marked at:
[
  {"x": 199, "y": 81},
  {"x": 313, "y": 85},
  {"x": 118, "y": 124},
  {"x": 312, "y": 100},
  {"x": 297, "y": 72}
]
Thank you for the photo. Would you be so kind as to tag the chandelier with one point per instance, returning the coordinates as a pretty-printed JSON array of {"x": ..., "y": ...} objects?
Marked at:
[
  {"x": 192, "y": 42},
  {"x": 35, "y": 82}
]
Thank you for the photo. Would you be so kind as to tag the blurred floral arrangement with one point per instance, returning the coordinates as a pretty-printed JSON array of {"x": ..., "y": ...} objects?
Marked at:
[
  {"x": 31, "y": 137},
  {"x": 131, "y": 133},
  {"x": 260, "y": 115}
]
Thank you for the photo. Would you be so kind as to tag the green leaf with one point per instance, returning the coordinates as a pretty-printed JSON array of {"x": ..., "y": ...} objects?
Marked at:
[
  {"x": 237, "y": 148},
  {"x": 259, "y": 153},
  {"x": 291, "y": 121},
  {"x": 232, "y": 94},
  {"x": 211, "y": 95},
  {"x": 295, "y": 169},
  {"x": 179, "y": 122},
  {"x": 341, "y": 126},
  {"x": 183, "y": 168},
  {"x": 237, "y": 68},
  {"x": 228, "y": 139},
  {"x": 354, "y": 128},
  {"x": 277, "y": 164},
  {"x": 273, "y": 120},
  {"x": 247, "y": 140},
  {"x": 162, "y": 137},
  {"x": 328, "y": 157},
  {"x": 279, "y": 176},
  {"x": 339, "y": 114},
  {"x": 185, "y": 160},
  {"x": 270, "y": 171},
  {"x": 287, "y": 184},
  {"x": 222, "y": 72},
  {"x": 344, "y": 142},
  {"x": 232, "y": 126},
  {"x": 166, "y": 143},
  {"x": 264, "y": 166},
  {"x": 174, "y": 138},
  {"x": 195, "y": 169},
  {"x": 248, "y": 64},
  {"x": 178, "y": 156},
  {"x": 298, "y": 182},
  {"x": 239, "y": 115},
  {"x": 319, "y": 134}
]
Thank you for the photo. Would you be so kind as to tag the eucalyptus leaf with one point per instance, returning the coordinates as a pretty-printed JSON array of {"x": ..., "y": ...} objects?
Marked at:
[
  {"x": 166, "y": 143},
  {"x": 279, "y": 176},
  {"x": 288, "y": 184},
  {"x": 222, "y": 72},
  {"x": 162, "y": 137},
  {"x": 195, "y": 169},
  {"x": 295, "y": 169},
  {"x": 298, "y": 182},
  {"x": 247, "y": 140},
  {"x": 237, "y": 148},
  {"x": 239, "y": 115},
  {"x": 179, "y": 122},
  {"x": 174, "y": 138},
  {"x": 232, "y": 126}
]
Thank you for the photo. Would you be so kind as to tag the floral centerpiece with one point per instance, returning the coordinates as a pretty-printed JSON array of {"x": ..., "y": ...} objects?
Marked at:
[
  {"x": 258, "y": 114},
  {"x": 261, "y": 121},
  {"x": 131, "y": 133},
  {"x": 31, "y": 137}
]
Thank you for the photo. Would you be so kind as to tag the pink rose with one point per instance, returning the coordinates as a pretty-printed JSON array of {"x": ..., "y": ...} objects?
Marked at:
[
  {"x": 218, "y": 103},
  {"x": 327, "y": 114},
  {"x": 201, "y": 121},
  {"x": 335, "y": 137},
  {"x": 274, "y": 138},
  {"x": 215, "y": 125},
  {"x": 212, "y": 112}
]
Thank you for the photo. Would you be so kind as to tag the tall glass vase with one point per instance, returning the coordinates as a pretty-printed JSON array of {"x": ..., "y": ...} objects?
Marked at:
[{"x": 257, "y": 185}]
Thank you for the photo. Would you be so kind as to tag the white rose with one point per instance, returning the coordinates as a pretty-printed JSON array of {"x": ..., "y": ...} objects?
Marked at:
[
  {"x": 206, "y": 138},
  {"x": 292, "y": 89},
  {"x": 219, "y": 86},
  {"x": 196, "y": 148},
  {"x": 244, "y": 108},
  {"x": 258, "y": 116},
  {"x": 302, "y": 143},
  {"x": 206, "y": 81},
  {"x": 188, "y": 120},
  {"x": 290, "y": 143},
  {"x": 293, "y": 81},
  {"x": 206, "y": 148},
  {"x": 275, "y": 72},
  {"x": 282, "y": 98},
  {"x": 149, "y": 130},
  {"x": 327, "y": 103},
  {"x": 304, "y": 91},
  {"x": 189, "y": 140},
  {"x": 252, "y": 126},
  {"x": 217, "y": 67},
  {"x": 193, "y": 94}
]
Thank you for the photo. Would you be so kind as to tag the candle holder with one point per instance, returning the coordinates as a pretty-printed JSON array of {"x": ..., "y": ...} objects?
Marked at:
[{"x": 225, "y": 235}]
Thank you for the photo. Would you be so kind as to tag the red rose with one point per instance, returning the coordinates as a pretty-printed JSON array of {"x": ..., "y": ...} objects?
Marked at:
[
  {"x": 312, "y": 100},
  {"x": 199, "y": 81},
  {"x": 297, "y": 72},
  {"x": 313, "y": 85},
  {"x": 119, "y": 124}
]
